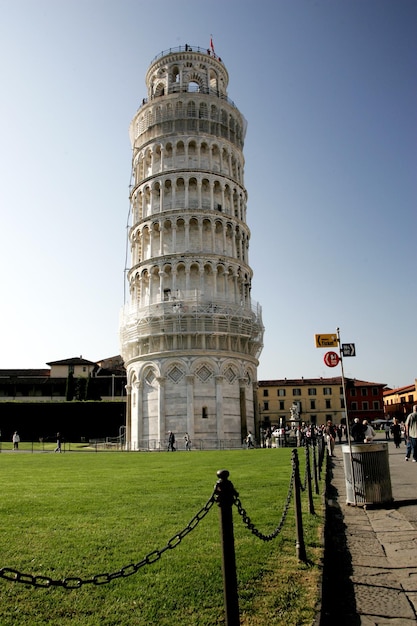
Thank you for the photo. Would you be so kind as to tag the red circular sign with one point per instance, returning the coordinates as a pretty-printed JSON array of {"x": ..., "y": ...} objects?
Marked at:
[{"x": 331, "y": 359}]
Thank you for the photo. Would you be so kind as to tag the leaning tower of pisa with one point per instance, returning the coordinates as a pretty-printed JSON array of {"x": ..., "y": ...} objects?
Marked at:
[{"x": 190, "y": 334}]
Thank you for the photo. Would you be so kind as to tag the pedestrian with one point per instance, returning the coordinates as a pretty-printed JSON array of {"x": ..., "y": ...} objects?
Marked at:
[
  {"x": 411, "y": 432},
  {"x": 340, "y": 433},
  {"x": 171, "y": 441},
  {"x": 397, "y": 434},
  {"x": 408, "y": 449},
  {"x": 249, "y": 440},
  {"x": 357, "y": 431},
  {"x": 268, "y": 438},
  {"x": 58, "y": 443},
  {"x": 16, "y": 440},
  {"x": 187, "y": 442},
  {"x": 387, "y": 431},
  {"x": 369, "y": 433},
  {"x": 330, "y": 437}
]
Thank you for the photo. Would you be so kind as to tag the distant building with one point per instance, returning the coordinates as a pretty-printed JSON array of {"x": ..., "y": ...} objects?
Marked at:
[
  {"x": 79, "y": 398},
  {"x": 399, "y": 402},
  {"x": 318, "y": 400},
  {"x": 107, "y": 379}
]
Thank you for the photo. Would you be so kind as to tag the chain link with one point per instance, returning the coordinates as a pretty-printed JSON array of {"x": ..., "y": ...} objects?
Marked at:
[
  {"x": 74, "y": 582},
  {"x": 247, "y": 521}
]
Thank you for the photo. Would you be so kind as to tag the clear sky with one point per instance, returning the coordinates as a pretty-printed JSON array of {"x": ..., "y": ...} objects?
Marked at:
[{"x": 329, "y": 91}]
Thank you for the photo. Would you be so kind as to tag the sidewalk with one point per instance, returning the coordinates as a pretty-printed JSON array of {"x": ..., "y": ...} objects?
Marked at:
[{"x": 370, "y": 569}]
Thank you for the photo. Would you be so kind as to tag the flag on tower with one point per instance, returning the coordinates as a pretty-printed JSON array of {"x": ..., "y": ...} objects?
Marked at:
[{"x": 211, "y": 44}]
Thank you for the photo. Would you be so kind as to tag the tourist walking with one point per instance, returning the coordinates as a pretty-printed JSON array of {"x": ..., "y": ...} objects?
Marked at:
[
  {"x": 16, "y": 440},
  {"x": 58, "y": 443},
  {"x": 396, "y": 433},
  {"x": 369, "y": 433},
  {"x": 358, "y": 431},
  {"x": 249, "y": 440},
  {"x": 171, "y": 441},
  {"x": 187, "y": 442},
  {"x": 330, "y": 437},
  {"x": 411, "y": 432},
  {"x": 268, "y": 438}
]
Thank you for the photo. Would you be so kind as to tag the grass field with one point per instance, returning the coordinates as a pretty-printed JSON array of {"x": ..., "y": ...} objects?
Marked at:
[{"x": 80, "y": 515}]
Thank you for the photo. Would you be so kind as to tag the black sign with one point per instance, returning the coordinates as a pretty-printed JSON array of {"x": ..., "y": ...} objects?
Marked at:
[{"x": 348, "y": 349}]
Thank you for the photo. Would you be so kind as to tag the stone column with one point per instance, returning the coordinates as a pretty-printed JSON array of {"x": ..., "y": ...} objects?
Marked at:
[
  {"x": 128, "y": 434},
  {"x": 190, "y": 405},
  {"x": 242, "y": 401},
  {"x": 139, "y": 412},
  {"x": 161, "y": 411},
  {"x": 219, "y": 407}
]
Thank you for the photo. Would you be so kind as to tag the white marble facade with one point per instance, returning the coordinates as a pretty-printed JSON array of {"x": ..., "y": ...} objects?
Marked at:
[{"x": 190, "y": 334}]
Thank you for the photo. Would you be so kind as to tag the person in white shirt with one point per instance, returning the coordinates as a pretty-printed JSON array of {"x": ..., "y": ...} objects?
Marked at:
[
  {"x": 16, "y": 440},
  {"x": 369, "y": 433}
]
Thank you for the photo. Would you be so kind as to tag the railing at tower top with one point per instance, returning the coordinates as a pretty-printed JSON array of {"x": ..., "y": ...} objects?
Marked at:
[
  {"x": 187, "y": 48},
  {"x": 191, "y": 304},
  {"x": 195, "y": 90}
]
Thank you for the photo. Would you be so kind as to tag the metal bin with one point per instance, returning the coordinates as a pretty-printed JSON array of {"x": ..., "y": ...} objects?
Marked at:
[{"x": 372, "y": 479}]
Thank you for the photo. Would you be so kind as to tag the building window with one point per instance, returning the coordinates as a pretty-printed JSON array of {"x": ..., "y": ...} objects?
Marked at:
[
  {"x": 313, "y": 405},
  {"x": 312, "y": 391},
  {"x": 266, "y": 406},
  {"x": 281, "y": 392},
  {"x": 327, "y": 391},
  {"x": 364, "y": 391},
  {"x": 328, "y": 404},
  {"x": 341, "y": 391},
  {"x": 342, "y": 403},
  {"x": 282, "y": 405},
  {"x": 296, "y": 392},
  {"x": 354, "y": 406},
  {"x": 374, "y": 391},
  {"x": 365, "y": 406},
  {"x": 204, "y": 412},
  {"x": 410, "y": 399},
  {"x": 266, "y": 392},
  {"x": 353, "y": 392},
  {"x": 375, "y": 405}
]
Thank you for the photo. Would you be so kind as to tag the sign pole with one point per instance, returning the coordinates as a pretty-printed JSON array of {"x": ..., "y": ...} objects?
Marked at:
[{"x": 347, "y": 417}]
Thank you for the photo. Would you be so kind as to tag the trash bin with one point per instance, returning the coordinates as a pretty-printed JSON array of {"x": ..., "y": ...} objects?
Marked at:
[{"x": 372, "y": 479}]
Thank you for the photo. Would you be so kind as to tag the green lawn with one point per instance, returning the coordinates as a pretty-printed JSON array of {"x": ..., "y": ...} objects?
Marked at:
[{"x": 79, "y": 515}]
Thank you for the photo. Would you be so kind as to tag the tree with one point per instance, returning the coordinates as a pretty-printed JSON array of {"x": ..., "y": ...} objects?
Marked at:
[{"x": 69, "y": 392}]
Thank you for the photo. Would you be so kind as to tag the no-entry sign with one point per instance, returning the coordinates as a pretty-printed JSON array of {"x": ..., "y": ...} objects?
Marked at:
[{"x": 331, "y": 359}]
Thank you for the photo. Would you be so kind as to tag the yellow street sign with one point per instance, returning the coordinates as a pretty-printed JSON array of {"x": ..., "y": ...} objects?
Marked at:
[{"x": 326, "y": 341}]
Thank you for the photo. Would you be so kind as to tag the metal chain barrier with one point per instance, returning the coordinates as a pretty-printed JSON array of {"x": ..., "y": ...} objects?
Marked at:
[
  {"x": 247, "y": 521},
  {"x": 75, "y": 582}
]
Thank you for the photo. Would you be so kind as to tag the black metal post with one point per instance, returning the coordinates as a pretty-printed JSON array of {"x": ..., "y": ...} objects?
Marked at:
[
  {"x": 315, "y": 470},
  {"x": 225, "y": 494},
  {"x": 299, "y": 544},
  {"x": 309, "y": 486}
]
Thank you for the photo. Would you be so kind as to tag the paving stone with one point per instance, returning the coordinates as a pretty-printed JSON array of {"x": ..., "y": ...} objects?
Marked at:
[{"x": 375, "y": 566}]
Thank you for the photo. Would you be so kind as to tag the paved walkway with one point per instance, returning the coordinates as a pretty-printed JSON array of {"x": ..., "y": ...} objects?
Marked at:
[{"x": 370, "y": 570}]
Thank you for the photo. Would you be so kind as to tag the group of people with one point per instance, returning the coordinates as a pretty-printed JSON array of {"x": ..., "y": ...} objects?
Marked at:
[
  {"x": 16, "y": 441},
  {"x": 363, "y": 432},
  {"x": 171, "y": 442}
]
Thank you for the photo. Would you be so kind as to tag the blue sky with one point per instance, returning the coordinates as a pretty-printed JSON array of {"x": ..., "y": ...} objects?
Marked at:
[{"x": 329, "y": 92}]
